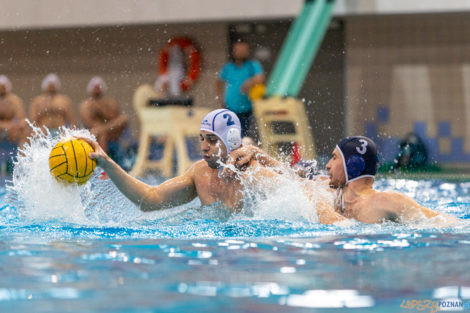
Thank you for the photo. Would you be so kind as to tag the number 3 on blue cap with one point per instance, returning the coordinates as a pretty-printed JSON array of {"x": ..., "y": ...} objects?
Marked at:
[{"x": 363, "y": 148}]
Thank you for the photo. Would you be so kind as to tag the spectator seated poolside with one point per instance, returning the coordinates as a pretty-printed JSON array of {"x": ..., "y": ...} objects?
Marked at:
[
  {"x": 12, "y": 124},
  {"x": 51, "y": 109},
  {"x": 102, "y": 116}
]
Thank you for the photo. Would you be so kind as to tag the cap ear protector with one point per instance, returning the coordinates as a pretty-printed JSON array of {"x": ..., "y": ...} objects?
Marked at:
[
  {"x": 233, "y": 138},
  {"x": 355, "y": 165}
]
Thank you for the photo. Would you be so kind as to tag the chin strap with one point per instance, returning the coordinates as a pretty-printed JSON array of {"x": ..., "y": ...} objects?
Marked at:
[
  {"x": 219, "y": 173},
  {"x": 339, "y": 202}
]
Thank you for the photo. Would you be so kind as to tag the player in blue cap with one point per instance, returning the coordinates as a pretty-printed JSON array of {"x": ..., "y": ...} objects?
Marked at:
[{"x": 351, "y": 170}]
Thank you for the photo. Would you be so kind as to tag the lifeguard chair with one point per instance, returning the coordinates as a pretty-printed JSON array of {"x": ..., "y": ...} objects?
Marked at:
[
  {"x": 282, "y": 120},
  {"x": 175, "y": 123},
  {"x": 283, "y": 125}
]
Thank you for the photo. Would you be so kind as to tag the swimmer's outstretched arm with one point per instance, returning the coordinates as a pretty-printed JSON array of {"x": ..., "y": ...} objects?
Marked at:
[
  {"x": 173, "y": 192},
  {"x": 327, "y": 215},
  {"x": 408, "y": 210}
]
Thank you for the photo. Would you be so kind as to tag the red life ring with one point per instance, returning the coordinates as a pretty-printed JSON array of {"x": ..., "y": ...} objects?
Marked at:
[{"x": 193, "y": 59}]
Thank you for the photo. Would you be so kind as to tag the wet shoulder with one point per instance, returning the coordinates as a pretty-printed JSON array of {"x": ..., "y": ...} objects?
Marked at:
[
  {"x": 198, "y": 168},
  {"x": 386, "y": 196},
  {"x": 200, "y": 173},
  {"x": 391, "y": 201},
  {"x": 380, "y": 205}
]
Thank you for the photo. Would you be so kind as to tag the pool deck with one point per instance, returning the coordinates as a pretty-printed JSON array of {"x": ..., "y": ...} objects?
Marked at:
[{"x": 450, "y": 174}]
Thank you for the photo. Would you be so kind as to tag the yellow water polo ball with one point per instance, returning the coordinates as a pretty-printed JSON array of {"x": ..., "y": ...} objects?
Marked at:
[{"x": 69, "y": 161}]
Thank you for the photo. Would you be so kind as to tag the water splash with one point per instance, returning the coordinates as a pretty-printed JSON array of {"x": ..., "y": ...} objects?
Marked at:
[
  {"x": 38, "y": 197},
  {"x": 285, "y": 196},
  {"x": 283, "y": 206},
  {"x": 33, "y": 190}
]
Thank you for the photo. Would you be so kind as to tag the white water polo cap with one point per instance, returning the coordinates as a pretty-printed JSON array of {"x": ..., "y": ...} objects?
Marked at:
[{"x": 224, "y": 124}]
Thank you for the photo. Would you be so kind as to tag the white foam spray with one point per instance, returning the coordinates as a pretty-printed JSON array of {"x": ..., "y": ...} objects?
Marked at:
[
  {"x": 279, "y": 193},
  {"x": 34, "y": 191},
  {"x": 39, "y": 197}
]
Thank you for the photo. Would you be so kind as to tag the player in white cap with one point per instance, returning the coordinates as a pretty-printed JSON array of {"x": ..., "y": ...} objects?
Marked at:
[
  {"x": 220, "y": 134},
  {"x": 221, "y": 126}
]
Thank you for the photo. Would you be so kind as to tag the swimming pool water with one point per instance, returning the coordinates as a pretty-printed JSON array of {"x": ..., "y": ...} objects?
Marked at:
[{"x": 115, "y": 259}]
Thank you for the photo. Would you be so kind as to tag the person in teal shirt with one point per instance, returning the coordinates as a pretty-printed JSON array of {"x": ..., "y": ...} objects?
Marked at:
[{"x": 235, "y": 80}]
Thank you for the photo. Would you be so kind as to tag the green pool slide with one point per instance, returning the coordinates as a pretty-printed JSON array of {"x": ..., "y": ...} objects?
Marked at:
[{"x": 299, "y": 49}]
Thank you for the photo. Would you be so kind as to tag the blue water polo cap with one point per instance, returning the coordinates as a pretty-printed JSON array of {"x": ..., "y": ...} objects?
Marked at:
[
  {"x": 359, "y": 157},
  {"x": 224, "y": 124}
]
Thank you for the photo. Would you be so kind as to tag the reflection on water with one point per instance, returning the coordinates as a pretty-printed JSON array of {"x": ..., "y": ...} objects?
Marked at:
[
  {"x": 374, "y": 273},
  {"x": 87, "y": 249},
  {"x": 328, "y": 299}
]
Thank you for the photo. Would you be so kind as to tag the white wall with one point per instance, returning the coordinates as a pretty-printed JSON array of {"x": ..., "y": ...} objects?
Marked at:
[
  {"x": 72, "y": 13},
  {"x": 409, "y": 73},
  {"x": 29, "y": 14},
  {"x": 366, "y": 7}
]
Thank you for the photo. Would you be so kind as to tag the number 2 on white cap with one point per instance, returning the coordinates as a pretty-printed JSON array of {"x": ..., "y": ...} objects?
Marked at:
[{"x": 229, "y": 119}]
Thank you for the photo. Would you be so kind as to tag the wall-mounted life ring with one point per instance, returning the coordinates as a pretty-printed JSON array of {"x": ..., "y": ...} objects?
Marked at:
[{"x": 193, "y": 59}]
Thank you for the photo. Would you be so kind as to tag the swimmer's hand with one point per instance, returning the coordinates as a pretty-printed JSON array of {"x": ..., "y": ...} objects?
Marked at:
[
  {"x": 242, "y": 157},
  {"x": 101, "y": 158},
  {"x": 239, "y": 159}
]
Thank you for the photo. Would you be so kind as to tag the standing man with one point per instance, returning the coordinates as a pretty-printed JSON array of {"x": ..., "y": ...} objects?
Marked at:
[
  {"x": 102, "y": 116},
  {"x": 235, "y": 80},
  {"x": 51, "y": 109}
]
